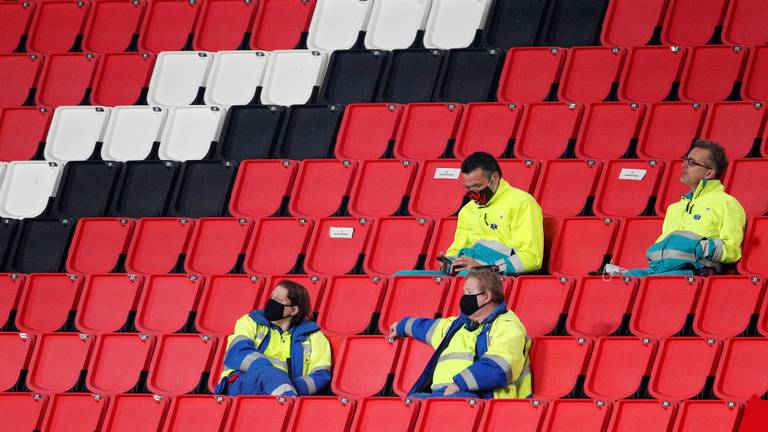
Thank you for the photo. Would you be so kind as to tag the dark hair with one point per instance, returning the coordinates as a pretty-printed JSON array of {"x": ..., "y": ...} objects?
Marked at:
[
  {"x": 717, "y": 158},
  {"x": 482, "y": 160},
  {"x": 490, "y": 281},
  {"x": 298, "y": 296}
]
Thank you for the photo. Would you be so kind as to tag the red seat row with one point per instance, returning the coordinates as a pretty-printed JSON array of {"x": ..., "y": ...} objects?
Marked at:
[
  {"x": 130, "y": 412},
  {"x": 152, "y": 25},
  {"x": 612, "y": 368}
]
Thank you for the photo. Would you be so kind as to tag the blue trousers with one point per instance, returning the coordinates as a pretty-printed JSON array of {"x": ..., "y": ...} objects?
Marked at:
[
  {"x": 267, "y": 380},
  {"x": 439, "y": 393}
]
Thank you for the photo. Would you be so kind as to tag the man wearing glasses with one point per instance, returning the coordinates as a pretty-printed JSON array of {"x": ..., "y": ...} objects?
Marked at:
[{"x": 703, "y": 230}]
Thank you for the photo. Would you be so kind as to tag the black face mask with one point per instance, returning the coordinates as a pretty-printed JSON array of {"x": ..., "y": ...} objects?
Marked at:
[
  {"x": 468, "y": 303},
  {"x": 274, "y": 310},
  {"x": 482, "y": 196}
]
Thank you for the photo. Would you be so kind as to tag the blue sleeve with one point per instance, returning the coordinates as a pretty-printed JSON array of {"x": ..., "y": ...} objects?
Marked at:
[{"x": 422, "y": 329}]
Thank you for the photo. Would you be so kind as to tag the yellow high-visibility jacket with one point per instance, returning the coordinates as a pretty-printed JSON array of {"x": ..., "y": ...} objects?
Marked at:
[{"x": 510, "y": 224}]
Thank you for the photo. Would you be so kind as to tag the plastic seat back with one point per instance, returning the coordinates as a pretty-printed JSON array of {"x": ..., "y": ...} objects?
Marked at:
[
  {"x": 691, "y": 23},
  {"x": 540, "y": 302},
  {"x": 726, "y": 305},
  {"x": 629, "y": 23},
  {"x": 367, "y": 130},
  {"x": 642, "y": 415},
  {"x": 588, "y": 414},
  {"x": 397, "y": 243},
  {"x": 166, "y": 303},
  {"x": 715, "y": 416},
  {"x": 336, "y": 244},
  {"x": 57, "y": 361},
  {"x": 663, "y": 305},
  {"x": 261, "y": 188},
  {"x": 178, "y": 362},
  {"x": 391, "y": 413},
  {"x": 279, "y": 24},
  {"x": 167, "y": 25},
  {"x": 235, "y": 75},
  {"x": 487, "y": 126},
  {"x": 711, "y": 72},
  {"x": 558, "y": 362},
  {"x": 22, "y": 130},
  {"x": 756, "y": 248},
  {"x": 223, "y": 24},
  {"x": 277, "y": 245},
  {"x": 650, "y": 72},
  {"x": 627, "y": 187},
  {"x": 546, "y": 129},
  {"x": 669, "y": 129},
  {"x": 741, "y": 372},
  {"x": 411, "y": 361},
  {"x": 438, "y": 191},
  {"x": 56, "y": 26},
  {"x": 362, "y": 366},
  {"x": 122, "y": 78},
  {"x": 111, "y": 25},
  {"x": 269, "y": 412},
  {"x": 197, "y": 413},
  {"x": 19, "y": 73},
  {"x": 70, "y": 411},
  {"x": 636, "y": 234},
  {"x": 22, "y": 411},
  {"x": 349, "y": 304},
  {"x": 117, "y": 362},
  {"x": 590, "y": 72},
  {"x": 598, "y": 307},
  {"x": 65, "y": 79},
  {"x": 309, "y": 132},
  {"x": 216, "y": 245},
  {"x": 320, "y": 187},
  {"x": 426, "y": 129},
  {"x": 224, "y": 299},
  {"x": 721, "y": 122},
  {"x": 107, "y": 302},
  {"x": 412, "y": 296},
  {"x": 582, "y": 245},
  {"x": 16, "y": 348},
  {"x": 330, "y": 412},
  {"x": 413, "y": 75},
  {"x": 618, "y": 366},
  {"x": 380, "y": 187},
  {"x": 529, "y": 74},
  {"x": 608, "y": 129},
  {"x": 463, "y": 414},
  {"x": 47, "y": 301},
  {"x": 98, "y": 244},
  {"x": 121, "y": 414},
  {"x": 682, "y": 368},
  {"x": 41, "y": 246}
]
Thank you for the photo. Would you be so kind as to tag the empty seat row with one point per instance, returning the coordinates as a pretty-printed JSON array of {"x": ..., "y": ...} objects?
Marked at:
[
  {"x": 641, "y": 74},
  {"x": 204, "y": 412},
  {"x": 684, "y": 22},
  {"x": 612, "y": 368}
]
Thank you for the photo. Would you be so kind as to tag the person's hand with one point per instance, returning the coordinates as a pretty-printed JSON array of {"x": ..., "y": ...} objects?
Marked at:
[
  {"x": 451, "y": 389},
  {"x": 464, "y": 262},
  {"x": 393, "y": 330}
]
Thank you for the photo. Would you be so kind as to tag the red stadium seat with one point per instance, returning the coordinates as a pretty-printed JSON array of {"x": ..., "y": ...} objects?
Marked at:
[
  {"x": 499, "y": 414},
  {"x": 642, "y": 415},
  {"x": 279, "y": 24},
  {"x": 582, "y": 245},
  {"x": 617, "y": 367},
  {"x": 636, "y": 234},
  {"x": 755, "y": 257},
  {"x": 442, "y": 238},
  {"x": 650, "y": 72},
  {"x": 755, "y": 86},
  {"x": 178, "y": 362},
  {"x": 691, "y": 22},
  {"x": 321, "y": 414},
  {"x": 276, "y": 244},
  {"x": 166, "y": 302},
  {"x": 57, "y": 361},
  {"x": 529, "y": 74},
  {"x": 726, "y": 305},
  {"x": 112, "y": 25},
  {"x": 589, "y": 73},
  {"x": 216, "y": 244},
  {"x": 629, "y": 23},
  {"x": 349, "y": 304},
  {"x": 521, "y": 174},
  {"x": 450, "y": 414},
  {"x": 121, "y": 78},
  {"x": 21, "y": 131},
  {"x": 557, "y": 363},
  {"x": 735, "y": 126},
  {"x": 487, "y": 126},
  {"x": 222, "y": 24},
  {"x": 565, "y": 186},
  {"x": 412, "y": 359},
  {"x": 167, "y": 25},
  {"x": 607, "y": 130},
  {"x": 46, "y": 302},
  {"x": 75, "y": 411},
  {"x": 577, "y": 415},
  {"x": 197, "y": 413},
  {"x": 707, "y": 415},
  {"x": 386, "y": 414},
  {"x": 540, "y": 302},
  {"x": 16, "y": 349},
  {"x": 740, "y": 181},
  {"x": 413, "y": 296},
  {"x": 671, "y": 188},
  {"x": 425, "y": 130},
  {"x": 438, "y": 190},
  {"x": 65, "y": 79},
  {"x": 711, "y": 72},
  {"x": 261, "y": 187},
  {"x": 451, "y": 305},
  {"x": 226, "y": 298},
  {"x": 682, "y": 367},
  {"x": 22, "y": 412},
  {"x": 336, "y": 245},
  {"x": 320, "y": 187},
  {"x": 743, "y": 23},
  {"x": 106, "y": 302},
  {"x": 743, "y": 370},
  {"x": 366, "y": 130},
  {"x": 669, "y": 129},
  {"x": 56, "y": 25},
  {"x": 362, "y": 366},
  {"x": 15, "y": 17},
  {"x": 380, "y": 186},
  {"x": 626, "y": 187},
  {"x": 117, "y": 361},
  {"x": 599, "y": 306},
  {"x": 663, "y": 304},
  {"x": 315, "y": 285},
  {"x": 19, "y": 73},
  {"x": 396, "y": 243},
  {"x": 546, "y": 129},
  {"x": 11, "y": 285},
  {"x": 123, "y": 408},
  {"x": 98, "y": 243},
  {"x": 269, "y": 412},
  {"x": 157, "y": 244}
]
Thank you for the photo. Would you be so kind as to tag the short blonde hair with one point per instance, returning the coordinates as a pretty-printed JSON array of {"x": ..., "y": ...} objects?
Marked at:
[{"x": 489, "y": 281}]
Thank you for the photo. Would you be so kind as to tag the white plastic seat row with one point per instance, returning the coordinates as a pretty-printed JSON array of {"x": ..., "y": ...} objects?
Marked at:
[
  {"x": 393, "y": 24},
  {"x": 232, "y": 77},
  {"x": 129, "y": 132},
  {"x": 27, "y": 187}
]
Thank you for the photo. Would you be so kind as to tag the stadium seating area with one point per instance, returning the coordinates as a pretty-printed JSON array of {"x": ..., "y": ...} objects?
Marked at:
[{"x": 164, "y": 163}]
